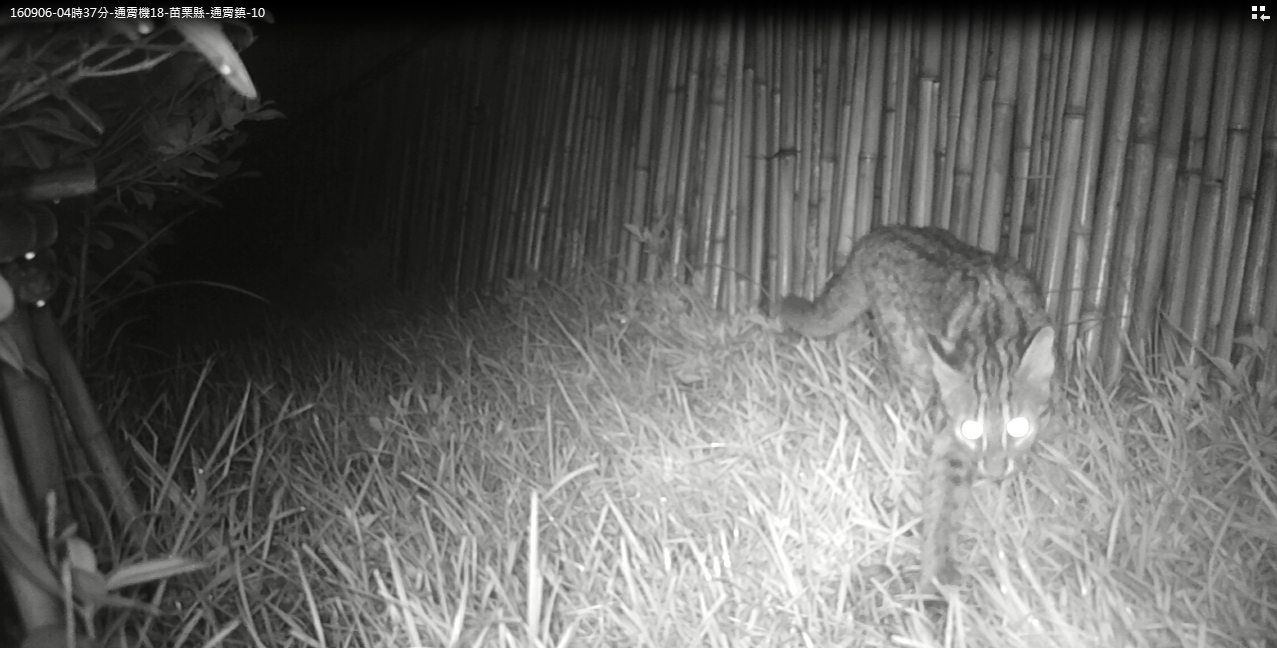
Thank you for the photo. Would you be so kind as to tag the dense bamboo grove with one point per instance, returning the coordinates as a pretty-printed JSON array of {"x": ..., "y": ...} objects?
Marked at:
[{"x": 1127, "y": 159}]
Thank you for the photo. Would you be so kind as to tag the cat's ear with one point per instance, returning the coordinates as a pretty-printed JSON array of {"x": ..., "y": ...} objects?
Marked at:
[
  {"x": 948, "y": 378},
  {"x": 1037, "y": 365}
]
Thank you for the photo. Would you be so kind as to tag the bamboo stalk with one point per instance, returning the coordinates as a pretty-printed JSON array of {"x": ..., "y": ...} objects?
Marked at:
[
  {"x": 895, "y": 120},
  {"x": 428, "y": 180},
  {"x": 519, "y": 172},
  {"x": 532, "y": 213},
  {"x": 363, "y": 194},
  {"x": 511, "y": 168},
  {"x": 563, "y": 151},
  {"x": 855, "y": 117},
  {"x": 827, "y": 154},
  {"x": 836, "y": 153},
  {"x": 1002, "y": 132},
  {"x": 576, "y": 185},
  {"x": 1056, "y": 71},
  {"x": 871, "y": 138},
  {"x": 565, "y": 146},
  {"x": 887, "y": 211},
  {"x": 1268, "y": 202},
  {"x": 1103, "y": 239},
  {"x": 740, "y": 291},
  {"x": 1141, "y": 156},
  {"x": 718, "y": 48},
  {"x": 765, "y": 139},
  {"x": 477, "y": 216},
  {"x": 540, "y": 242},
  {"x": 1209, "y": 208},
  {"x": 653, "y": 181},
  {"x": 937, "y": 215},
  {"x": 1184, "y": 212},
  {"x": 456, "y": 106},
  {"x": 986, "y": 86},
  {"x": 1025, "y": 110},
  {"x": 693, "y": 164},
  {"x": 1267, "y": 53},
  {"x": 1201, "y": 305},
  {"x": 1166, "y": 164},
  {"x": 777, "y": 274},
  {"x": 610, "y": 104},
  {"x": 822, "y": 82},
  {"x": 761, "y": 278},
  {"x": 1257, "y": 280},
  {"x": 929, "y": 118},
  {"x": 459, "y": 235},
  {"x": 940, "y": 184},
  {"x": 652, "y": 193},
  {"x": 411, "y": 196},
  {"x": 1083, "y": 322},
  {"x": 492, "y": 157},
  {"x": 586, "y": 246},
  {"x": 959, "y": 52},
  {"x": 611, "y": 183},
  {"x": 792, "y": 243},
  {"x": 964, "y": 165},
  {"x": 688, "y": 247},
  {"x": 1236, "y": 226},
  {"x": 800, "y": 162},
  {"x": 495, "y": 198},
  {"x": 1063, "y": 266}
]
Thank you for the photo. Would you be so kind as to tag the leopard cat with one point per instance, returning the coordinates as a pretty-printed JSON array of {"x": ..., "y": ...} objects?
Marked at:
[{"x": 966, "y": 325}]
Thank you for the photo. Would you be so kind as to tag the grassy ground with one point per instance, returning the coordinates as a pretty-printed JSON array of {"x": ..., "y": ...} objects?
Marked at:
[{"x": 575, "y": 467}]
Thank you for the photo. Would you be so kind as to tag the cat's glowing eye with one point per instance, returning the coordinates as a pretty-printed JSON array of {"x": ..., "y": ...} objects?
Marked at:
[
  {"x": 1018, "y": 427},
  {"x": 971, "y": 430}
]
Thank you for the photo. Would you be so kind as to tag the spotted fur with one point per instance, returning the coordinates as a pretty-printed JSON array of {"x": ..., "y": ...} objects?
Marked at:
[{"x": 967, "y": 326}]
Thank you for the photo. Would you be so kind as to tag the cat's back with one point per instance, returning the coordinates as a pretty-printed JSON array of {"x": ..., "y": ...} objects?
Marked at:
[
  {"x": 929, "y": 273},
  {"x": 931, "y": 252},
  {"x": 921, "y": 280}
]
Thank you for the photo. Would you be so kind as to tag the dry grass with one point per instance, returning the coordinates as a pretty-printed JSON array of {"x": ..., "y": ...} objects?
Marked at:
[{"x": 573, "y": 467}]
